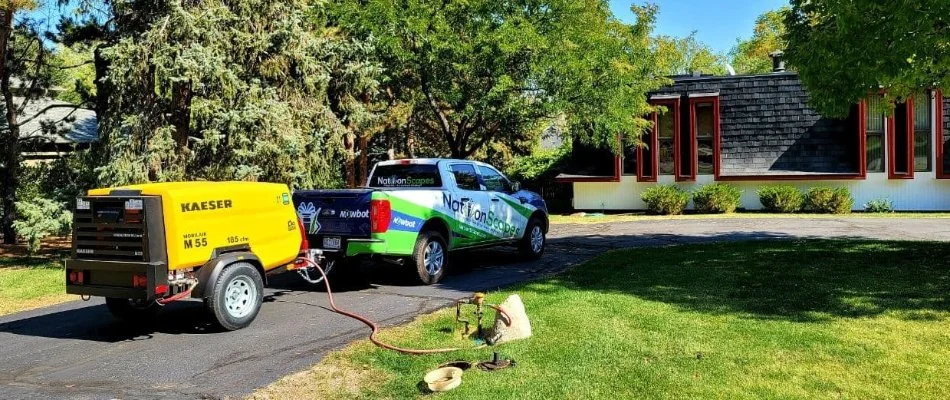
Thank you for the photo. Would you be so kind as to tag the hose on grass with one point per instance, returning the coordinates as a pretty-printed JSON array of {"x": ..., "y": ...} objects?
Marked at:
[{"x": 372, "y": 325}]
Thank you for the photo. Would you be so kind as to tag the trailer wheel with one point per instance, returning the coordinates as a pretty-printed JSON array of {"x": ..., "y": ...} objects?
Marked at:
[
  {"x": 430, "y": 257},
  {"x": 534, "y": 240},
  {"x": 236, "y": 297},
  {"x": 132, "y": 310}
]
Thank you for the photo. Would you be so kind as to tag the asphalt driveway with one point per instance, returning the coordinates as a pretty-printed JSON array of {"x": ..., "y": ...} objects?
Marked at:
[{"x": 77, "y": 351}]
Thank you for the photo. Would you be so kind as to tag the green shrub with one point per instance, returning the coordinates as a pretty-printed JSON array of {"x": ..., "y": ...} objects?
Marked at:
[
  {"x": 39, "y": 218},
  {"x": 717, "y": 198},
  {"x": 828, "y": 200},
  {"x": 781, "y": 198},
  {"x": 665, "y": 199},
  {"x": 879, "y": 206}
]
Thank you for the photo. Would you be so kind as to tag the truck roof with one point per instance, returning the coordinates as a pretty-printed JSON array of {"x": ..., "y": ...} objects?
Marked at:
[{"x": 426, "y": 161}]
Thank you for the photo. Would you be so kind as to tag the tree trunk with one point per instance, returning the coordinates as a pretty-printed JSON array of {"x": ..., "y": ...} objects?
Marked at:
[
  {"x": 364, "y": 159},
  {"x": 349, "y": 144},
  {"x": 181, "y": 117},
  {"x": 10, "y": 158}
]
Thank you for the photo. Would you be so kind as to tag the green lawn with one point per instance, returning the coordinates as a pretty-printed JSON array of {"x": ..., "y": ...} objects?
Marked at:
[
  {"x": 780, "y": 319},
  {"x": 30, "y": 283},
  {"x": 628, "y": 217}
]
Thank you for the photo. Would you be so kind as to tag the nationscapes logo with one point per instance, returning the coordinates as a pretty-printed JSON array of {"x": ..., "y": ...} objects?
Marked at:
[
  {"x": 206, "y": 205},
  {"x": 310, "y": 215},
  {"x": 395, "y": 181}
]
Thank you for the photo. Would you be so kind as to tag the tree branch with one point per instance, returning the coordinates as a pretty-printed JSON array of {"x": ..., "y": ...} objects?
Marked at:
[
  {"x": 47, "y": 108},
  {"x": 440, "y": 115}
]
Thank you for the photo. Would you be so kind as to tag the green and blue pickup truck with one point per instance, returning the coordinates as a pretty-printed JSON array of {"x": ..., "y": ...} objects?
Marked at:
[{"x": 420, "y": 210}]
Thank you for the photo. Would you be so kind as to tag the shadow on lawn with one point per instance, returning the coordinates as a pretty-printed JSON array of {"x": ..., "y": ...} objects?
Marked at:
[{"x": 803, "y": 280}]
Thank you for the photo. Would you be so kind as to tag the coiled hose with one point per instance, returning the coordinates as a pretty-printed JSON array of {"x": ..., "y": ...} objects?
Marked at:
[{"x": 372, "y": 325}]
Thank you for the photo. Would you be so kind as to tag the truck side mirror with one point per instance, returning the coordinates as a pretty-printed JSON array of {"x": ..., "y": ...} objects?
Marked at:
[{"x": 515, "y": 186}]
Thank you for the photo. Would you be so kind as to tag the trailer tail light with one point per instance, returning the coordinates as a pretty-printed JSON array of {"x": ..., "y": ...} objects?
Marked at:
[
  {"x": 161, "y": 289},
  {"x": 380, "y": 212},
  {"x": 304, "y": 242},
  {"x": 139, "y": 281},
  {"x": 76, "y": 277}
]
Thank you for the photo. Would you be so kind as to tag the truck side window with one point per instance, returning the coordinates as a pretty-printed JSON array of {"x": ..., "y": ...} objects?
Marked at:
[
  {"x": 465, "y": 176},
  {"x": 494, "y": 181}
]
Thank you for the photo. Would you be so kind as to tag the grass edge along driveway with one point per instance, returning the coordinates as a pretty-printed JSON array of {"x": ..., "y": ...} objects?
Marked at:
[
  {"x": 30, "y": 283},
  {"x": 774, "y": 319}
]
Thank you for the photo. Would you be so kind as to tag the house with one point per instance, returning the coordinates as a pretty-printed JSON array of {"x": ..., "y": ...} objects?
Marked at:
[
  {"x": 54, "y": 128},
  {"x": 756, "y": 130}
]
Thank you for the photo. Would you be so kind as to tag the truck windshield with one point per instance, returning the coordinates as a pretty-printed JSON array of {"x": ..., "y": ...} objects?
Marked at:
[{"x": 405, "y": 175}]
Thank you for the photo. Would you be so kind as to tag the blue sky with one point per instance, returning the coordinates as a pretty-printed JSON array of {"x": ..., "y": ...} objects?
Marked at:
[{"x": 718, "y": 23}]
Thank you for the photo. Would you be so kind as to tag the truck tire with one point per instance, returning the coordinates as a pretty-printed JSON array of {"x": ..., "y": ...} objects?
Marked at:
[
  {"x": 430, "y": 257},
  {"x": 132, "y": 310},
  {"x": 534, "y": 241},
  {"x": 236, "y": 297}
]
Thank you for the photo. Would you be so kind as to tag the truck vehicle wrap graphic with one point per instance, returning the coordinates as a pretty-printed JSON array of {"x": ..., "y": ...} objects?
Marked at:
[{"x": 468, "y": 204}]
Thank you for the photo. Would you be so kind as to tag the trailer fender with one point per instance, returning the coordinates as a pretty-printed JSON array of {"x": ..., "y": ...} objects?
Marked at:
[{"x": 212, "y": 269}]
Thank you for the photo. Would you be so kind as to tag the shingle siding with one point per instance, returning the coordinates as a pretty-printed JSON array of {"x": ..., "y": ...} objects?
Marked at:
[{"x": 767, "y": 127}]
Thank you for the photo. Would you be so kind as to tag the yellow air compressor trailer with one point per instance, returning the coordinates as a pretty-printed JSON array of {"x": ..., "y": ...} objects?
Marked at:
[{"x": 143, "y": 246}]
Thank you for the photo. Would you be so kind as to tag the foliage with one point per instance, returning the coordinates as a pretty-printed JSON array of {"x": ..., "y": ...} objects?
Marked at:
[
  {"x": 843, "y": 49},
  {"x": 679, "y": 56},
  {"x": 39, "y": 218},
  {"x": 665, "y": 199},
  {"x": 242, "y": 90},
  {"x": 752, "y": 56},
  {"x": 77, "y": 75},
  {"x": 482, "y": 74},
  {"x": 828, "y": 200},
  {"x": 717, "y": 198},
  {"x": 781, "y": 198},
  {"x": 879, "y": 206}
]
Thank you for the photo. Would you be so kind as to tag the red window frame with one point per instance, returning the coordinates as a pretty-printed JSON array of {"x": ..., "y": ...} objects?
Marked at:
[
  {"x": 694, "y": 143},
  {"x": 892, "y": 172},
  {"x": 654, "y": 142},
  {"x": 938, "y": 136},
  {"x": 672, "y": 105}
]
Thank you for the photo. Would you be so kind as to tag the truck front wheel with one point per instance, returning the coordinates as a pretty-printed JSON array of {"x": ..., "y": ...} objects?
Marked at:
[
  {"x": 429, "y": 257},
  {"x": 534, "y": 240},
  {"x": 132, "y": 310},
  {"x": 236, "y": 297}
]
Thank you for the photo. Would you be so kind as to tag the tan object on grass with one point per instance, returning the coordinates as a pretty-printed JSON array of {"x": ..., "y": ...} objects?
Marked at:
[{"x": 518, "y": 328}]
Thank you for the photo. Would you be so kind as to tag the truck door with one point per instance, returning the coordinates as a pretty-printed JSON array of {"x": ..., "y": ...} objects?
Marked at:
[
  {"x": 506, "y": 214},
  {"x": 468, "y": 204}
]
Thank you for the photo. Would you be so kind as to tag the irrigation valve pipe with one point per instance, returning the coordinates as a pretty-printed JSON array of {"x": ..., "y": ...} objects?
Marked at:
[{"x": 303, "y": 263}]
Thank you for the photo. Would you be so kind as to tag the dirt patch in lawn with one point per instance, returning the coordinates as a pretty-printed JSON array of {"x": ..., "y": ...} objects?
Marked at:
[{"x": 336, "y": 377}]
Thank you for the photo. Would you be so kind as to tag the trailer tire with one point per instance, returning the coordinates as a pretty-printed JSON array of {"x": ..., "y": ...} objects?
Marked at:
[
  {"x": 131, "y": 310},
  {"x": 534, "y": 241},
  {"x": 430, "y": 257},
  {"x": 236, "y": 296}
]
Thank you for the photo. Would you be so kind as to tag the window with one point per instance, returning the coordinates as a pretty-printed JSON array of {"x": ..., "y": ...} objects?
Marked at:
[
  {"x": 405, "y": 175},
  {"x": 465, "y": 176},
  {"x": 900, "y": 142},
  {"x": 494, "y": 180},
  {"x": 629, "y": 160},
  {"x": 875, "y": 134},
  {"x": 666, "y": 128},
  {"x": 923, "y": 132},
  {"x": 705, "y": 128}
]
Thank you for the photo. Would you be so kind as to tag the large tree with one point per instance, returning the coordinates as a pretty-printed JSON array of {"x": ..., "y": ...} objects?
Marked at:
[
  {"x": 482, "y": 74},
  {"x": 246, "y": 89},
  {"x": 843, "y": 49},
  {"x": 27, "y": 68},
  {"x": 686, "y": 55},
  {"x": 752, "y": 55}
]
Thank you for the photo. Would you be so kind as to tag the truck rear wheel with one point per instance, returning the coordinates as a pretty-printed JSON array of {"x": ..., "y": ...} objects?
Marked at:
[
  {"x": 132, "y": 310},
  {"x": 236, "y": 297},
  {"x": 429, "y": 257}
]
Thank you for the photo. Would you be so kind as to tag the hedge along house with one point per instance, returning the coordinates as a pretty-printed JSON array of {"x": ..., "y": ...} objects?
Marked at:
[{"x": 756, "y": 130}]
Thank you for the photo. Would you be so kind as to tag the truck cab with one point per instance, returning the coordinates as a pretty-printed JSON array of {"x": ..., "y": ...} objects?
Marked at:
[{"x": 418, "y": 211}]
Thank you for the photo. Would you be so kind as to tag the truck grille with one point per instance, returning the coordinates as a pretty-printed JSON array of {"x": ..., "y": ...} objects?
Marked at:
[{"x": 110, "y": 229}]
